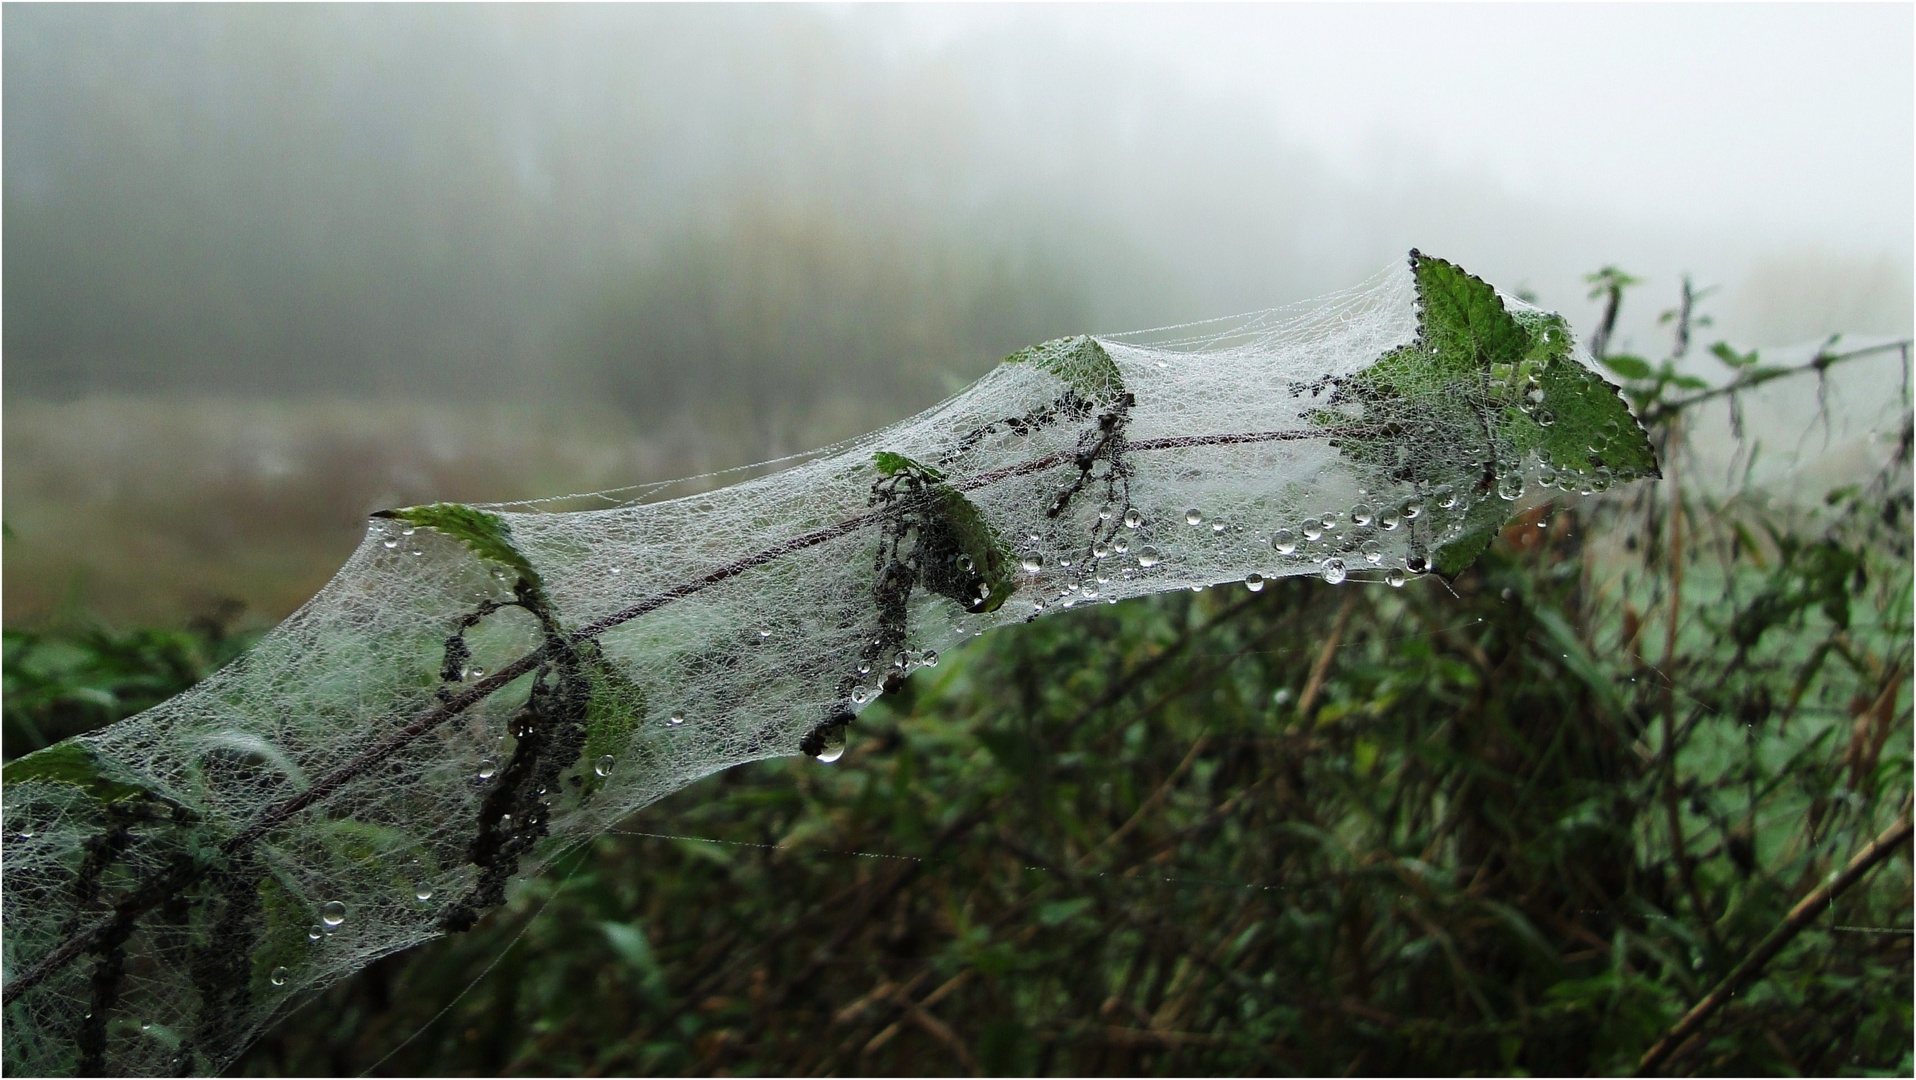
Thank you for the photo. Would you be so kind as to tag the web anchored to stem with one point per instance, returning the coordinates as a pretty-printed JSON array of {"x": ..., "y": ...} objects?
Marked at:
[{"x": 478, "y": 690}]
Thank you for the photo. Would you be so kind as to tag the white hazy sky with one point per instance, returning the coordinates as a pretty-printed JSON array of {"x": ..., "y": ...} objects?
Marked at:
[{"x": 1795, "y": 120}]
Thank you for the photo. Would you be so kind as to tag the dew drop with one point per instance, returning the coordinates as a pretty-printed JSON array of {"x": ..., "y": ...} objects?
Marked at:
[
  {"x": 675, "y": 720},
  {"x": 1100, "y": 550},
  {"x": 1546, "y": 476},
  {"x": 1121, "y": 545},
  {"x": 1254, "y": 582},
  {"x": 422, "y": 892},
  {"x": 1313, "y": 530},
  {"x": 1394, "y": 578},
  {"x": 864, "y": 667},
  {"x": 408, "y": 531},
  {"x": 487, "y": 768},
  {"x": 1388, "y": 520},
  {"x": 1147, "y": 556},
  {"x": 1412, "y": 509},
  {"x": 1284, "y": 541},
  {"x": 1373, "y": 552},
  {"x": 477, "y": 672},
  {"x": 1334, "y": 571},
  {"x": 1330, "y": 522},
  {"x": 603, "y": 767},
  {"x": 278, "y": 977},
  {"x": 1105, "y": 512},
  {"x": 1601, "y": 481},
  {"x": 1089, "y": 593},
  {"x": 1033, "y": 563},
  {"x": 1417, "y": 564},
  {"x": 1133, "y": 519},
  {"x": 764, "y": 631},
  {"x": 389, "y": 543},
  {"x": 315, "y": 933},
  {"x": 860, "y": 695},
  {"x": 1510, "y": 487},
  {"x": 1449, "y": 501},
  {"x": 966, "y": 564},
  {"x": 1217, "y": 526},
  {"x": 1194, "y": 516},
  {"x": 614, "y": 571},
  {"x": 1281, "y": 696},
  {"x": 1360, "y": 515},
  {"x": 902, "y": 661},
  {"x": 834, "y": 746},
  {"x": 333, "y": 913},
  {"x": 1545, "y": 417},
  {"x": 931, "y": 657}
]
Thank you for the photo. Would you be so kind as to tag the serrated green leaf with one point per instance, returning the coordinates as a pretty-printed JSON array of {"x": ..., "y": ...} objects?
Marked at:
[
  {"x": 1481, "y": 524},
  {"x": 486, "y": 534},
  {"x": 892, "y": 464},
  {"x": 1081, "y": 362},
  {"x": 76, "y": 765},
  {"x": 1592, "y": 426}
]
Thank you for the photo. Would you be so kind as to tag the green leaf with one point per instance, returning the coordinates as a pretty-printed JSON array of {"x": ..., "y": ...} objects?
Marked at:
[
  {"x": 1485, "y": 387},
  {"x": 615, "y": 705},
  {"x": 1481, "y": 523},
  {"x": 485, "y": 533},
  {"x": 75, "y": 764},
  {"x": 1627, "y": 366},
  {"x": 1081, "y": 362},
  {"x": 1722, "y": 351},
  {"x": 992, "y": 579},
  {"x": 892, "y": 464}
]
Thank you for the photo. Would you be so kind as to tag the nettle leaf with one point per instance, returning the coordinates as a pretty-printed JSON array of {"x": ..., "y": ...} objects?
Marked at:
[
  {"x": 963, "y": 558},
  {"x": 615, "y": 706},
  {"x": 1487, "y": 387},
  {"x": 892, "y": 464},
  {"x": 76, "y": 765},
  {"x": 1081, "y": 362},
  {"x": 485, "y": 533}
]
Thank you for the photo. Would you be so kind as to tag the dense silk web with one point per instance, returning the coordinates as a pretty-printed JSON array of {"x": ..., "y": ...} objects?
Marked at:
[{"x": 479, "y": 689}]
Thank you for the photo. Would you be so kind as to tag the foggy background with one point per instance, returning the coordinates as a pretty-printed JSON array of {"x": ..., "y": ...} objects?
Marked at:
[{"x": 269, "y": 268}]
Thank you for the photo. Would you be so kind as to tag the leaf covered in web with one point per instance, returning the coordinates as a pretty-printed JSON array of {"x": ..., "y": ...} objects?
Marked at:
[{"x": 456, "y": 708}]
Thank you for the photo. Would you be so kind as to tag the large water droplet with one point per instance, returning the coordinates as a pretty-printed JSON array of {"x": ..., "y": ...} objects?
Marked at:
[
  {"x": 1100, "y": 550},
  {"x": 674, "y": 720},
  {"x": 1417, "y": 564},
  {"x": 422, "y": 892},
  {"x": 1373, "y": 552},
  {"x": 1284, "y": 541},
  {"x": 1601, "y": 480},
  {"x": 487, "y": 768},
  {"x": 860, "y": 695},
  {"x": 1194, "y": 516},
  {"x": 1546, "y": 476},
  {"x": 1254, "y": 582},
  {"x": 1121, "y": 545},
  {"x": 1545, "y": 417},
  {"x": 333, "y": 913},
  {"x": 833, "y": 747},
  {"x": 764, "y": 631},
  {"x": 1510, "y": 487},
  {"x": 1033, "y": 563},
  {"x": 1449, "y": 501},
  {"x": 1394, "y": 578},
  {"x": 864, "y": 667},
  {"x": 1388, "y": 520},
  {"x": 1105, "y": 512},
  {"x": 931, "y": 657},
  {"x": 603, "y": 767},
  {"x": 1313, "y": 530},
  {"x": 390, "y": 542},
  {"x": 1147, "y": 556},
  {"x": 1133, "y": 519},
  {"x": 315, "y": 932},
  {"x": 1360, "y": 515},
  {"x": 1412, "y": 509},
  {"x": 278, "y": 977},
  {"x": 1334, "y": 571}
]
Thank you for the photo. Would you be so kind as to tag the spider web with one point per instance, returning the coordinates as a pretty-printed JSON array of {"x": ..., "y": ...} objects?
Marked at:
[{"x": 476, "y": 692}]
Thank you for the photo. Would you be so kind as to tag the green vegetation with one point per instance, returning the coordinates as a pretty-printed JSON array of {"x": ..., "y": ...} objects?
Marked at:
[{"x": 1519, "y": 823}]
